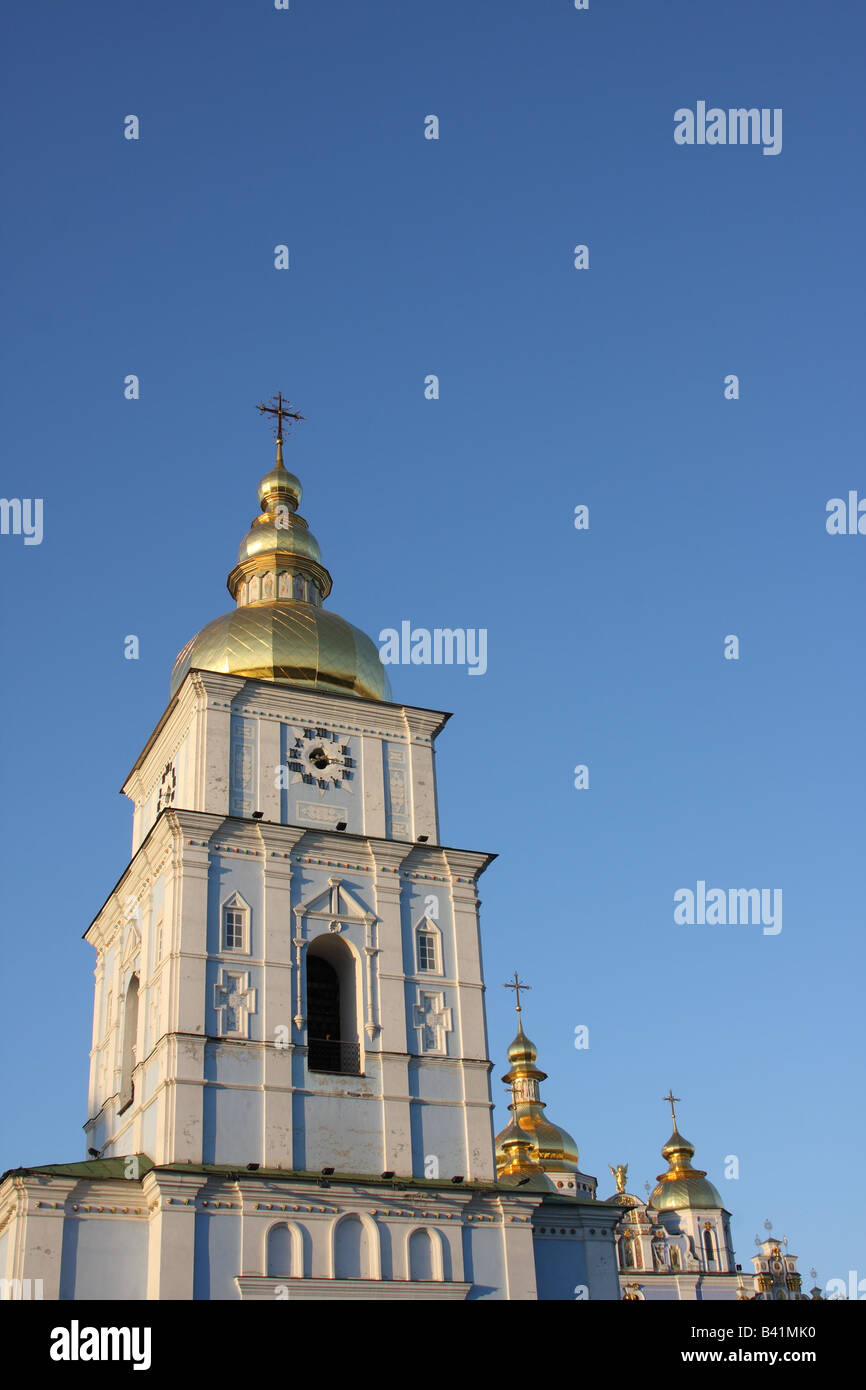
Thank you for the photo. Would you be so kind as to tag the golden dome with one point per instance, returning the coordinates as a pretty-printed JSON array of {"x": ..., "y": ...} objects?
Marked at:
[
  {"x": 279, "y": 631},
  {"x": 694, "y": 1194},
  {"x": 682, "y": 1186},
  {"x": 552, "y": 1147},
  {"x": 290, "y": 643},
  {"x": 522, "y": 1049},
  {"x": 555, "y": 1147},
  {"x": 520, "y": 1166},
  {"x": 280, "y": 485},
  {"x": 291, "y": 536}
]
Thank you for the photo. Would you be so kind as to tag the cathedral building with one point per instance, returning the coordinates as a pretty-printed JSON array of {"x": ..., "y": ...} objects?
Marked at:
[
  {"x": 289, "y": 1088},
  {"x": 289, "y": 1077}
]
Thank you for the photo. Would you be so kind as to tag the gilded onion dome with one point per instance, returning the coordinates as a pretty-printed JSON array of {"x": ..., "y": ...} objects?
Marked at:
[
  {"x": 278, "y": 630},
  {"x": 551, "y": 1147},
  {"x": 682, "y": 1186},
  {"x": 520, "y": 1167}
]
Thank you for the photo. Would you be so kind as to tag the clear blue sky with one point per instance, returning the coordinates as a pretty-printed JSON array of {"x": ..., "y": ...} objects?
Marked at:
[{"x": 558, "y": 387}]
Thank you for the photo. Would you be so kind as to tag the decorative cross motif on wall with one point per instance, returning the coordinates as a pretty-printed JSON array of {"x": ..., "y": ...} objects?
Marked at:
[
  {"x": 234, "y": 1001},
  {"x": 433, "y": 1021}
]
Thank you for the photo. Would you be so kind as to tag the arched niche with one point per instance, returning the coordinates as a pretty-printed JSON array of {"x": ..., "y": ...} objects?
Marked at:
[
  {"x": 284, "y": 1251},
  {"x": 355, "y": 1250},
  {"x": 425, "y": 1255}
]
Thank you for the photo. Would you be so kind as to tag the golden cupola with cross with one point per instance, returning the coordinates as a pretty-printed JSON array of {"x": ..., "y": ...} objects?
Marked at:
[
  {"x": 682, "y": 1186},
  {"x": 279, "y": 631},
  {"x": 552, "y": 1149}
]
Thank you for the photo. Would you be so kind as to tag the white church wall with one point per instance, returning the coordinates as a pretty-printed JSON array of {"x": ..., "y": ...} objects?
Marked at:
[
  {"x": 232, "y": 1125},
  {"x": 217, "y": 1249},
  {"x": 341, "y": 1133},
  {"x": 149, "y": 1128},
  {"x": 442, "y": 1137},
  {"x": 436, "y": 1078},
  {"x": 484, "y": 1262},
  {"x": 104, "y": 1258}
]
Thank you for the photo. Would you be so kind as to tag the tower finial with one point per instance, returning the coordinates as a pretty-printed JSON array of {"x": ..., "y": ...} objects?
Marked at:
[
  {"x": 282, "y": 410},
  {"x": 517, "y": 986},
  {"x": 672, "y": 1100}
]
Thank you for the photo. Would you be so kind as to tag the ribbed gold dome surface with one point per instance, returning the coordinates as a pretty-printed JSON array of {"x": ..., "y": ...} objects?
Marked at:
[
  {"x": 554, "y": 1145},
  {"x": 696, "y": 1194},
  {"x": 279, "y": 631},
  {"x": 290, "y": 643}
]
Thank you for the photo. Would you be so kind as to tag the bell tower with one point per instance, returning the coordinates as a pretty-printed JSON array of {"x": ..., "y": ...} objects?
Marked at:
[{"x": 289, "y": 970}]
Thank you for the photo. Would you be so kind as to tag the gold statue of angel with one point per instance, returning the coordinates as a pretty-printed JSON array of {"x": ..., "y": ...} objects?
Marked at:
[{"x": 620, "y": 1173}]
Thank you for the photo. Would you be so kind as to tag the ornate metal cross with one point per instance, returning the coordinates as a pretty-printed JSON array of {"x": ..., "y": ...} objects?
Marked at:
[
  {"x": 672, "y": 1100},
  {"x": 517, "y": 986},
  {"x": 282, "y": 410}
]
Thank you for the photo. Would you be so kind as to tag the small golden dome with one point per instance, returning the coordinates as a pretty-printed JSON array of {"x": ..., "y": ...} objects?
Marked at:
[
  {"x": 682, "y": 1186},
  {"x": 552, "y": 1147},
  {"x": 522, "y": 1049},
  {"x": 678, "y": 1151},
  {"x": 291, "y": 536},
  {"x": 280, "y": 487},
  {"x": 279, "y": 631}
]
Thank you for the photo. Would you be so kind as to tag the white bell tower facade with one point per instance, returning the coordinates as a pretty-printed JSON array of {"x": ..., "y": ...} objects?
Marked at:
[{"x": 276, "y": 990}]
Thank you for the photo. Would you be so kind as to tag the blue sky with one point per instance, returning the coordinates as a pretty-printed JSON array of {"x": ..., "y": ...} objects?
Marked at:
[{"x": 557, "y": 387}]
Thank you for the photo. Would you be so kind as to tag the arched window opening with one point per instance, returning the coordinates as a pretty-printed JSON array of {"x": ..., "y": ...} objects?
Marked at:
[
  {"x": 709, "y": 1247},
  {"x": 130, "y": 1035},
  {"x": 332, "y": 1023}
]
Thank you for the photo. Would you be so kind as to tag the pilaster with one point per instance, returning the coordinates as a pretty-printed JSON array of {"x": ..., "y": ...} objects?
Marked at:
[
  {"x": 171, "y": 1198},
  {"x": 278, "y": 995},
  {"x": 396, "y": 1120},
  {"x": 517, "y": 1249}
]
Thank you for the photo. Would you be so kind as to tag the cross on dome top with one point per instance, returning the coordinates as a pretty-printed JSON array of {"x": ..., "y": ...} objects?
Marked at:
[
  {"x": 517, "y": 986},
  {"x": 672, "y": 1100},
  {"x": 282, "y": 410}
]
